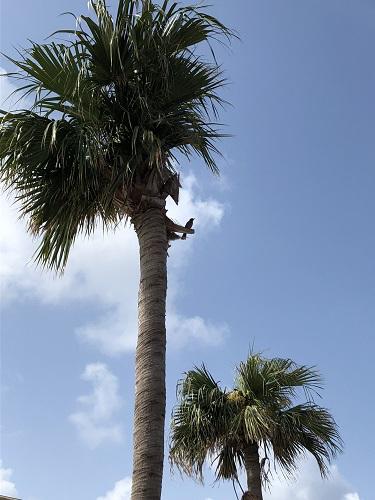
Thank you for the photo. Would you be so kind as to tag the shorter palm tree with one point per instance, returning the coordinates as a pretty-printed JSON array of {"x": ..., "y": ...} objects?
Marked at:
[{"x": 228, "y": 427}]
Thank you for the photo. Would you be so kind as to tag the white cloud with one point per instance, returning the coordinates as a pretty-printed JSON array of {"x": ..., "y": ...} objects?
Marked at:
[
  {"x": 121, "y": 491},
  {"x": 195, "y": 329},
  {"x": 7, "y": 487},
  {"x": 308, "y": 485},
  {"x": 94, "y": 420}
]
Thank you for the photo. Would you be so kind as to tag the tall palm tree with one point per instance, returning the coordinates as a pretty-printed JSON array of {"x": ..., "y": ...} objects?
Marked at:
[
  {"x": 228, "y": 427},
  {"x": 113, "y": 106}
]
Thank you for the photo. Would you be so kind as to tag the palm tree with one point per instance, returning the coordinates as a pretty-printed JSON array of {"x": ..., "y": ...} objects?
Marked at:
[
  {"x": 115, "y": 107},
  {"x": 229, "y": 427}
]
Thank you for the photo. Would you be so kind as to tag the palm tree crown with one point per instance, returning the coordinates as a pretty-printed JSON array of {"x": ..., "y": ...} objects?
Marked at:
[
  {"x": 213, "y": 423},
  {"x": 111, "y": 108}
]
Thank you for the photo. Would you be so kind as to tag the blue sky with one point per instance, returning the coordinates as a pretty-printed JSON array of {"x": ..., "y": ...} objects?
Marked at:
[{"x": 283, "y": 258}]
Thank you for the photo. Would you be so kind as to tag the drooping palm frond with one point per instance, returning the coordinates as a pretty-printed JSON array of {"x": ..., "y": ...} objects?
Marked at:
[
  {"x": 211, "y": 424},
  {"x": 60, "y": 184},
  {"x": 229, "y": 459},
  {"x": 111, "y": 109},
  {"x": 201, "y": 417},
  {"x": 305, "y": 428}
]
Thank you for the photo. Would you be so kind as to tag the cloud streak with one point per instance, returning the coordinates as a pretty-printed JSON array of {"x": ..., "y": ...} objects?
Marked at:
[{"x": 94, "y": 420}]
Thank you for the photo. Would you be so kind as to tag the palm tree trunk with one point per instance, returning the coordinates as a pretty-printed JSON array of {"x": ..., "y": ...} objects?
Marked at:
[
  {"x": 253, "y": 472},
  {"x": 149, "y": 413}
]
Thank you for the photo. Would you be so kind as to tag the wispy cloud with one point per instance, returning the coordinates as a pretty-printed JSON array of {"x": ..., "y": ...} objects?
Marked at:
[
  {"x": 94, "y": 420},
  {"x": 121, "y": 491},
  {"x": 197, "y": 329}
]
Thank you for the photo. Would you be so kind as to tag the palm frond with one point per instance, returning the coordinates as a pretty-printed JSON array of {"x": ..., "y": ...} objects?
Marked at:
[
  {"x": 305, "y": 428},
  {"x": 60, "y": 185},
  {"x": 276, "y": 379},
  {"x": 57, "y": 77},
  {"x": 291, "y": 376},
  {"x": 198, "y": 421},
  {"x": 254, "y": 422},
  {"x": 229, "y": 460}
]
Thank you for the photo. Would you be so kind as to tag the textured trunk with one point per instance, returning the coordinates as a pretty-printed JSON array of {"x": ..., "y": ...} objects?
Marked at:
[
  {"x": 253, "y": 472},
  {"x": 149, "y": 413}
]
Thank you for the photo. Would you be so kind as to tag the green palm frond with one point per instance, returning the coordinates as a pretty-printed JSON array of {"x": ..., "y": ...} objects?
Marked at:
[
  {"x": 254, "y": 422},
  {"x": 60, "y": 185},
  {"x": 197, "y": 381},
  {"x": 290, "y": 376},
  {"x": 275, "y": 379},
  {"x": 201, "y": 416},
  {"x": 305, "y": 428},
  {"x": 111, "y": 109},
  {"x": 58, "y": 78},
  {"x": 228, "y": 461}
]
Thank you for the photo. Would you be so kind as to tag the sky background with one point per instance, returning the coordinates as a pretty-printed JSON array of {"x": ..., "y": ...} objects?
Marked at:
[{"x": 283, "y": 259}]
